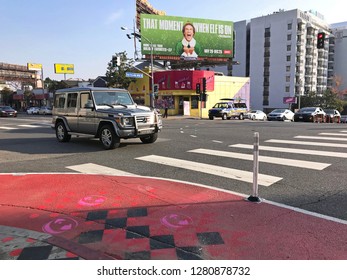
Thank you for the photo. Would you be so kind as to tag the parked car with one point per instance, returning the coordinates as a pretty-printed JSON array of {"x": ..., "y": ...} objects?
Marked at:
[
  {"x": 281, "y": 115},
  {"x": 333, "y": 115},
  {"x": 33, "y": 110},
  {"x": 257, "y": 115},
  {"x": 343, "y": 119},
  {"x": 45, "y": 111},
  {"x": 7, "y": 111},
  {"x": 310, "y": 114}
]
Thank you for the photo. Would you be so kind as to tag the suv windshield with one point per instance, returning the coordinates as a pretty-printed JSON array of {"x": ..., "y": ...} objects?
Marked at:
[
  {"x": 112, "y": 98},
  {"x": 221, "y": 105}
]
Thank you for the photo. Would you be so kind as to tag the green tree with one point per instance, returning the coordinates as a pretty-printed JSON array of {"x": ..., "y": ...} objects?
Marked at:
[
  {"x": 329, "y": 99},
  {"x": 116, "y": 73},
  {"x": 6, "y": 96},
  {"x": 53, "y": 85}
]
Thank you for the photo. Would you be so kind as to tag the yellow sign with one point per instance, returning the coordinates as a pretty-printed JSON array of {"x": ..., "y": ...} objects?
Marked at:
[
  {"x": 64, "y": 68},
  {"x": 34, "y": 66}
]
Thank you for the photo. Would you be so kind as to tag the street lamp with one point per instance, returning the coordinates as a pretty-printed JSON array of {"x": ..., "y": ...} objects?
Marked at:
[{"x": 139, "y": 36}]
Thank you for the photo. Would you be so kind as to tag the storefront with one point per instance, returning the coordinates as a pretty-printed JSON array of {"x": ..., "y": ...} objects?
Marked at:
[{"x": 177, "y": 91}]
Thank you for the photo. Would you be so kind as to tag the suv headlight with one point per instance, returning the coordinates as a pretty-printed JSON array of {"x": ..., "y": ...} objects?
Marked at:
[
  {"x": 128, "y": 121},
  {"x": 125, "y": 121}
]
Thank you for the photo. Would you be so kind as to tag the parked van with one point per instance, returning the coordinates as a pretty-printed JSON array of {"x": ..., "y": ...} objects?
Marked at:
[
  {"x": 106, "y": 113},
  {"x": 228, "y": 108}
]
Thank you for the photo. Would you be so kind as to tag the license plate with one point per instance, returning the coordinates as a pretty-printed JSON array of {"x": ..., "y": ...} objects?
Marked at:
[{"x": 147, "y": 131}]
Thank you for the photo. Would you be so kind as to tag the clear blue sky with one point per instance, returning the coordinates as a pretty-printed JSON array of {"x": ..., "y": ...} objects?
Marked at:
[{"x": 87, "y": 32}]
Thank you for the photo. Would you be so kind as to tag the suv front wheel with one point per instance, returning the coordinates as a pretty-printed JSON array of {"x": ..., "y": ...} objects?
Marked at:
[
  {"x": 61, "y": 132},
  {"x": 150, "y": 138},
  {"x": 108, "y": 137}
]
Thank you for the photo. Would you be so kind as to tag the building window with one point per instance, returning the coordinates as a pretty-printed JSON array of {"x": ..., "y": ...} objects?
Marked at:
[
  {"x": 288, "y": 68},
  {"x": 195, "y": 102},
  {"x": 289, "y": 37},
  {"x": 289, "y": 48},
  {"x": 289, "y": 26},
  {"x": 288, "y": 57},
  {"x": 287, "y": 79},
  {"x": 287, "y": 89}
]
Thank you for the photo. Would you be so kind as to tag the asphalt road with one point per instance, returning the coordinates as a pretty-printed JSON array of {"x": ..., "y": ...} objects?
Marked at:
[{"x": 187, "y": 150}]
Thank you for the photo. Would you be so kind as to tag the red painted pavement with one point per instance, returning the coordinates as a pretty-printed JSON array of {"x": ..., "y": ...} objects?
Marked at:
[{"x": 99, "y": 216}]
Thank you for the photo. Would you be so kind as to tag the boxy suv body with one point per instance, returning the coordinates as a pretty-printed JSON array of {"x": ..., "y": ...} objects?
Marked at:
[
  {"x": 106, "y": 113},
  {"x": 228, "y": 108}
]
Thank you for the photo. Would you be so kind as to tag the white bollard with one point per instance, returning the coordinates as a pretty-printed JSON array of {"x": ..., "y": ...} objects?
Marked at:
[{"x": 255, "y": 197}]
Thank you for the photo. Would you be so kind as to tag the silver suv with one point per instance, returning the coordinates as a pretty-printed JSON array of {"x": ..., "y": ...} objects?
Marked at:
[
  {"x": 106, "y": 113},
  {"x": 228, "y": 108}
]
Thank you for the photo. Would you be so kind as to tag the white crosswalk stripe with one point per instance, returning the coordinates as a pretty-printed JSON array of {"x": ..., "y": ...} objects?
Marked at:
[
  {"x": 273, "y": 160},
  {"x": 91, "y": 168},
  {"x": 321, "y": 138},
  {"x": 294, "y": 151},
  {"x": 236, "y": 174},
  {"x": 307, "y": 143},
  {"x": 333, "y": 134}
]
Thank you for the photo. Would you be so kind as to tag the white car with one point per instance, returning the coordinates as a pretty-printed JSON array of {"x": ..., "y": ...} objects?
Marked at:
[
  {"x": 45, "y": 111},
  {"x": 33, "y": 110},
  {"x": 257, "y": 115},
  {"x": 281, "y": 115}
]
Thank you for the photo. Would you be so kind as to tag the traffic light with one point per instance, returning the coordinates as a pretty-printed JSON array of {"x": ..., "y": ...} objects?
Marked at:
[
  {"x": 197, "y": 89},
  {"x": 204, "y": 85},
  {"x": 115, "y": 61},
  {"x": 320, "y": 40},
  {"x": 155, "y": 90}
]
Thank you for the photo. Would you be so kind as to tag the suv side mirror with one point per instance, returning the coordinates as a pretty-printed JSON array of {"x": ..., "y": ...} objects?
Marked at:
[{"x": 89, "y": 105}]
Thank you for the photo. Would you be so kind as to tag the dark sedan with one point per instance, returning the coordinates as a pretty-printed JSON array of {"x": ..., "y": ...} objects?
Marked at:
[
  {"x": 310, "y": 114},
  {"x": 7, "y": 111}
]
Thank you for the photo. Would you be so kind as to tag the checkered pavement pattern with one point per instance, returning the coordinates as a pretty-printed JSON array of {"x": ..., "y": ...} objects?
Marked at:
[
  {"x": 26, "y": 248},
  {"x": 133, "y": 234}
]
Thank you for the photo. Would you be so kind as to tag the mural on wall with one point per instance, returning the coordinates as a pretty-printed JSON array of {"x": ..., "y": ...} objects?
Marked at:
[{"x": 166, "y": 101}]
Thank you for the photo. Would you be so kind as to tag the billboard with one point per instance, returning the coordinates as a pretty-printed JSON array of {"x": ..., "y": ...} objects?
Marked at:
[
  {"x": 186, "y": 38},
  {"x": 34, "y": 66},
  {"x": 63, "y": 68}
]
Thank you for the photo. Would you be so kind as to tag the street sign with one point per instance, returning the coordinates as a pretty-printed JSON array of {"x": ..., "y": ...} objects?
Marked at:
[{"x": 133, "y": 75}]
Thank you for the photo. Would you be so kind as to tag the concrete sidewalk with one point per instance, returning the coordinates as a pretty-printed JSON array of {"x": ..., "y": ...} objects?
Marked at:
[{"x": 79, "y": 216}]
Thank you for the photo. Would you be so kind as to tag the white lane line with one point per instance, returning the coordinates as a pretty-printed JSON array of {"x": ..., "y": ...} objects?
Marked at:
[
  {"x": 294, "y": 151},
  {"x": 307, "y": 143},
  {"x": 216, "y": 141},
  {"x": 194, "y": 136},
  {"x": 91, "y": 168},
  {"x": 321, "y": 138},
  {"x": 333, "y": 134},
  {"x": 7, "y": 128},
  {"x": 29, "y": 125},
  {"x": 272, "y": 160},
  {"x": 245, "y": 176}
]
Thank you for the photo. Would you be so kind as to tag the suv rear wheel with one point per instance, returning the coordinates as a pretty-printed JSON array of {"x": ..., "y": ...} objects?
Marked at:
[
  {"x": 108, "y": 137},
  {"x": 61, "y": 132}
]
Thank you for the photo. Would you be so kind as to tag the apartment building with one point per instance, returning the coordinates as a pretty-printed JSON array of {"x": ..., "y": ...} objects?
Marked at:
[
  {"x": 339, "y": 31},
  {"x": 281, "y": 56}
]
